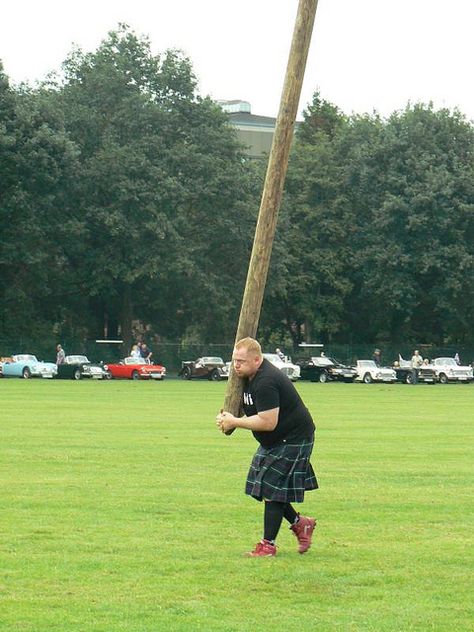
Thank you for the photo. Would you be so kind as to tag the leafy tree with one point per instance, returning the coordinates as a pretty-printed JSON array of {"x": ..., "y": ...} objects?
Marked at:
[
  {"x": 376, "y": 235},
  {"x": 37, "y": 161},
  {"x": 415, "y": 260},
  {"x": 126, "y": 200},
  {"x": 308, "y": 278},
  {"x": 161, "y": 184}
]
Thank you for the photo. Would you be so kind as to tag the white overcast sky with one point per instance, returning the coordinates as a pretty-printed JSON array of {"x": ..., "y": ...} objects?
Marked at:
[{"x": 365, "y": 55}]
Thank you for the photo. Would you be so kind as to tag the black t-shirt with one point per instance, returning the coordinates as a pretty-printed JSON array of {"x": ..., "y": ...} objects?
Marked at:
[
  {"x": 145, "y": 352},
  {"x": 270, "y": 388}
]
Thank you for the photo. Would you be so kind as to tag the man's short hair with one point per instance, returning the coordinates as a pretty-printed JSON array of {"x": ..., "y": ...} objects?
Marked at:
[{"x": 252, "y": 346}]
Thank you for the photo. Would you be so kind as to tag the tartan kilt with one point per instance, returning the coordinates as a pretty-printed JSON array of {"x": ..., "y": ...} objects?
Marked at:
[{"x": 282, "y": 473}]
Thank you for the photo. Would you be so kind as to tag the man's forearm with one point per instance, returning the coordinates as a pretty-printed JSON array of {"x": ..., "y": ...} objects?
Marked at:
[
  {"x": 255, "y": 422},
  {"x": 265, "y": 421}
]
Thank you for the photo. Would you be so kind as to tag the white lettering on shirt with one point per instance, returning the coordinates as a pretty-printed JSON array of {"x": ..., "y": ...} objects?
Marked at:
[{"x": 248, "y": 399}]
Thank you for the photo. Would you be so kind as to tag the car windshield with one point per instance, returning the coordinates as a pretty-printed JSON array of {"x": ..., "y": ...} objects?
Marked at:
[
  {"x": 322, "y": 361},
  {"x": 24, "y": 358},
  {"x": 77, "y": 359},
  {"x": 334, "y": 361},
  {"x": 445, "y": 361},
  {"x": 367, "y": 363},
  {"x": 212, "y": 360},
  {"x": 272, "y": 357},
  {"x": 135, "y": 361}
]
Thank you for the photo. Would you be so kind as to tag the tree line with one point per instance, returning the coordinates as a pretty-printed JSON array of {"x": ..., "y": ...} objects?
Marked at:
[{"x": 128, "y": 206}]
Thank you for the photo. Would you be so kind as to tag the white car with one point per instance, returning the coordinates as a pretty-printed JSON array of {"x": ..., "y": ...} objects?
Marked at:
[
  {"x": 288, "y": 368},
  {"x": 368, "y": 372},
  {"x": 447, "y": 370}
]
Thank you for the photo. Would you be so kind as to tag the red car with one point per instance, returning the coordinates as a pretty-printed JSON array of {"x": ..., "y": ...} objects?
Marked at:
[{"x": 135, "y": 369}]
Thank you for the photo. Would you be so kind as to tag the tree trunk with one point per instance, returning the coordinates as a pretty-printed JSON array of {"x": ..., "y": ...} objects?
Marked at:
[
  {"x": 272, "y": 190},
  {"x": 126, "y": 315}
]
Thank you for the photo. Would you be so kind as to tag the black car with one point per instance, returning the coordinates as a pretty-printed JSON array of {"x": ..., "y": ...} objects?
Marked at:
[
  {"x": 324, "y": 369},
  {"x": 406, "y": 374},
  {"x": 208, "y": 367},
  {"x": 75, "y": 367}
]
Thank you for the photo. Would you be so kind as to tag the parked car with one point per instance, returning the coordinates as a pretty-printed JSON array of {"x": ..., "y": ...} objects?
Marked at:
[
  {"x": 406, "y": 375},
  {"x": 2, "y": 362},
  {"x": 405, "y": 372},
  {"x": 26, "y": 365},
  {"x": 368, "y": 372},
  {"x": 135, "y": 369},
  {"x": 293, "y": 371},
  {"x": 447, "y": 370},
  {"x": 324, "y": 369},
  {"x": 76, "y": 367},
  {"x": 208, "y": 367}
]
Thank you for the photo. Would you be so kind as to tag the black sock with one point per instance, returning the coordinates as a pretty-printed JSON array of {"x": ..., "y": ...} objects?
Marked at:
[
  {"x": 272, "y": 519},
  {"x": 290, "y": 514}
]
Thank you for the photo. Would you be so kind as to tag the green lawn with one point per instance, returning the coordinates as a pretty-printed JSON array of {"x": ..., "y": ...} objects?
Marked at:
[{"x": 122, "y": 509}]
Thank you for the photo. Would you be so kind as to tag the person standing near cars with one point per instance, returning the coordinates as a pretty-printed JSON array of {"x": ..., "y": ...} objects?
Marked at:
[
  {"x": 416, "y": 363},
  {"x": 146, "y": 352},
  {"x": 280, "y": 472},
  {"x": 377, "y": 358},
  {"x": 135, "y": 352},
  {"x": 60, "y": 355}
]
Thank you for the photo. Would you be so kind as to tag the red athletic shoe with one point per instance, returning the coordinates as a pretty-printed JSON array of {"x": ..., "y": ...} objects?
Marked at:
[
  {"x": 264, "y": 548},
  {"x": 303, "y": 531}
]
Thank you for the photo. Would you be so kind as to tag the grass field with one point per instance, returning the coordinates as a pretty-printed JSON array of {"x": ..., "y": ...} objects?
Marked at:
[{"x": 122, "y": 509}]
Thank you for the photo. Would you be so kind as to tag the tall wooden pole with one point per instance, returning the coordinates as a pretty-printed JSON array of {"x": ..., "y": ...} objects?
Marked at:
[{"x": 273, "y": 189}]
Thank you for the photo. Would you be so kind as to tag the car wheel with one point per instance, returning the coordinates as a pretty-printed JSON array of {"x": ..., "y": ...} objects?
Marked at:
[
  {"x": 409, "y": 378},
  {"x": 108, "y": 375},
  {"x": 135, "y": 375},
  {"x": 215, "y": 375},
  {"x": 443, "y": 378},
  {"x": 26, "y": 374},
  {"x": 367, "y": 379},
  {"x": 323, "y": 377},
  {"x": 186, "y": 374},
  {"x": 77, "y": 374}
]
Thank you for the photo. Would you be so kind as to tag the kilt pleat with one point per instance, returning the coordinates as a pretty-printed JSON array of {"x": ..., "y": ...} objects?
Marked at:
[{"x": 282, "y": 473}]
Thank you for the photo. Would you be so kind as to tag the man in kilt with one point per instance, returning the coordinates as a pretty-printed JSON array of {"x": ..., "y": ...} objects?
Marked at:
[{"x": 280, "y": 471}]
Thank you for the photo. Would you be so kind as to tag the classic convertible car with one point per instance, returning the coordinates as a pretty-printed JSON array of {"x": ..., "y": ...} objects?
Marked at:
[
  {"x": 207, "y": 367},
  {"x": 2, "y": 362},
  {"x": 324, "y": 369},
  {"x": 288, "y": 368},
  {"x": 76, "y": 367},
  {"x": 25, "y": 365},
  {"x": 368, "y": 372},
  {"x": 406, "y": 374},
  {"x": 135, "y": 369}
]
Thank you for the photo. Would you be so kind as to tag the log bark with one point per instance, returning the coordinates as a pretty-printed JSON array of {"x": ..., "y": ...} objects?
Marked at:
[{"x": 272, "y": 191}]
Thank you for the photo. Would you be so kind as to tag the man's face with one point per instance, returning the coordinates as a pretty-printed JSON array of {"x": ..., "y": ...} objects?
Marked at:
[{"x": 245, "y": 363}]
